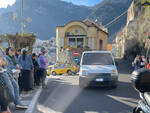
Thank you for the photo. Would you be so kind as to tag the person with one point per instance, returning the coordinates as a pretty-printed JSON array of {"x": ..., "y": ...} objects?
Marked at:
[
  {"x": 43, "y": 66},
  {"x": 18, "y": 53},
  {"x": 148, "y": 63},
  {"x": 4, "y": 104},
  {"x": 12, "y": 64},
  {"x": 36, "y": 69},
  {"x": 14, "y": 87},
  {"x": 3, "y": 99},
  {"x": 143, "y": 62},
  {"x": 25, "y": 62},
  {"x": 136, "y": 62}
]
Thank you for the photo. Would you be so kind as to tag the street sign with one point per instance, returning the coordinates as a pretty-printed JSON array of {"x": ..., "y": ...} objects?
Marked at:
[
  {"x": 76, "y": 60},
  {"x": 76, "y": 53}
]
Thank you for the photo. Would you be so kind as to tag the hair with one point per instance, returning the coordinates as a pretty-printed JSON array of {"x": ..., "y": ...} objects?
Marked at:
[
  {"x": 34, "y": 55},
  {"x": 7, "y": 50},
  {"x": 19, "y": 50},
  {"x": 24, "y": 55},
  {"x": 39, "y": 55}
]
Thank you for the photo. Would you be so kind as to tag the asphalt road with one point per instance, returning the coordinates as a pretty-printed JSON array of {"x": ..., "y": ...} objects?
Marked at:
[{"x": 63, "y": 95}]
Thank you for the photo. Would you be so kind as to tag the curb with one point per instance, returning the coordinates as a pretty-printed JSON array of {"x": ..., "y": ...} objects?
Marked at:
[{"x": 34, "y": 100}]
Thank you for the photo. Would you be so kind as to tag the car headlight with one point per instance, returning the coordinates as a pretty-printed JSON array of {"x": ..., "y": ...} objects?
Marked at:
[
  {"x": 84, "y": 73},
  {"x": 114, "y": 73}
]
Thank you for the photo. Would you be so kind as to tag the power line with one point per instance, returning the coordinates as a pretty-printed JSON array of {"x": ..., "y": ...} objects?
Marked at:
[{"x": 115, "y": 19}]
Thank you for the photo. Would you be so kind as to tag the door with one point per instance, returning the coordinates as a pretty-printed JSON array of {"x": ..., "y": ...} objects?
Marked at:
[{"x": 100, "y": 44}]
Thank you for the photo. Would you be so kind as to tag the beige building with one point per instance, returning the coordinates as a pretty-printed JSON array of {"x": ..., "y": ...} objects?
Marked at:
[{"x": 81, "y": 34}]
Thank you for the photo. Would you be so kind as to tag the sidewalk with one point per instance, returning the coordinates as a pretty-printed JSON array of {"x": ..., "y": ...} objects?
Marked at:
[
  {"x": 26, "y": 99},
  {"x": 29, "y": 99}
]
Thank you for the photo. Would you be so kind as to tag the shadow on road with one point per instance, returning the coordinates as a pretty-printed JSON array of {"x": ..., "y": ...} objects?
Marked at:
[{"x": 68, "y": 98}]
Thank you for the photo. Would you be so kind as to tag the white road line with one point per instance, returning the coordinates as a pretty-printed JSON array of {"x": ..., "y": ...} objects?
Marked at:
[{"x": 34, "y": 100}]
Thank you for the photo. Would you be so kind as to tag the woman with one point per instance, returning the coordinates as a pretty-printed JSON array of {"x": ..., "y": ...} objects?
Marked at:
[
  {"x": 42, "y": 60},
  {"x": 136, "y": 63},
  {"x": 12, "y": 64},
  {"x": 25, "y": 62},
  {"x": 36, "y": 69}
]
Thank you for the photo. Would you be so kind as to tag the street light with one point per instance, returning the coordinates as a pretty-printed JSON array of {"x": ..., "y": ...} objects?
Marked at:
[{"x": 22, "y": 17}]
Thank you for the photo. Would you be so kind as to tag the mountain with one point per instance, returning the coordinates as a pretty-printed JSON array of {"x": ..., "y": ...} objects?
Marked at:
[
  {"x": 47, "y": 14},
  {"x": 107, "y": 11}
]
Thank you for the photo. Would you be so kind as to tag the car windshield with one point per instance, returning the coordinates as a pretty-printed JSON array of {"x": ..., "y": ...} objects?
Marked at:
[{"x": 97, "y": 59}]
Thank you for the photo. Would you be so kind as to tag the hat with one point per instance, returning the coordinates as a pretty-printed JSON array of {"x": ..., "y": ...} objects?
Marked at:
[{"x": 23, "y": 49}]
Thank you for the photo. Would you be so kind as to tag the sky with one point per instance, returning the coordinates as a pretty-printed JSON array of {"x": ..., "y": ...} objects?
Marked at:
[
  {"x": 5, "y": 3},
  {"x": 84, "y": 2}
]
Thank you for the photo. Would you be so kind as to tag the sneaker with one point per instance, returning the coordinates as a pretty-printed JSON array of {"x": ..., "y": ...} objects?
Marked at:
[{"x": 20, "y": 106}]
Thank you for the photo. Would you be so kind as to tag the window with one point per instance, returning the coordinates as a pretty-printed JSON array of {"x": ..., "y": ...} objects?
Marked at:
[
  {"x": 80, "y": 42},
  {"x": 72, "y": 42},
  {"x": 76, "y": 42},
  {"x": 76, "y": 31},
  {"x": 97, "y": 59}
]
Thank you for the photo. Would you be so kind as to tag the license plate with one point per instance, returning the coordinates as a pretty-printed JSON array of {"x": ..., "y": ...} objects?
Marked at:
[{"x": 99, "y": 80}]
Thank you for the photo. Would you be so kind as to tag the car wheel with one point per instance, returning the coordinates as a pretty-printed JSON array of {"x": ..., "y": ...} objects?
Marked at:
[
  {"x": 69, "y": 72},
  {"x": 54, "y": 73}
]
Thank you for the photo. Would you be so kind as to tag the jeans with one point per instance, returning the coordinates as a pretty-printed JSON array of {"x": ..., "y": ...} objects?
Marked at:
[
  {"x": 3, "y": 102},
  {"x": 136, "y": 68},
  {"x": 8, "y": 85},
  {"x": 43, "y": 76},
  {"x": 14, "y": 89}
]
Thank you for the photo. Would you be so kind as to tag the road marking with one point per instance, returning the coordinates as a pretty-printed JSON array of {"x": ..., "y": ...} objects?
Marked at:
[
  {"x": 128, "y": 101},
  {"x": 44, "y": 109},
  {"x": 34, "y": 100}
]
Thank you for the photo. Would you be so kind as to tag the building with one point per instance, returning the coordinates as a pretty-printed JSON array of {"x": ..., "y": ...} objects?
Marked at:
[
  {"x": 122, "y": 37},
  {"x": 81, "y": 34}
]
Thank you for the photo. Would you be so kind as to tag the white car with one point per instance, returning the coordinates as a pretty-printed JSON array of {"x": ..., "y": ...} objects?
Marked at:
[{"x": 98, "y": 68}]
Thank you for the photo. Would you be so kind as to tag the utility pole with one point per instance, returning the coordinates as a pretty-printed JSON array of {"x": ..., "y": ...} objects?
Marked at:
[{"x": 22, "y": 17}]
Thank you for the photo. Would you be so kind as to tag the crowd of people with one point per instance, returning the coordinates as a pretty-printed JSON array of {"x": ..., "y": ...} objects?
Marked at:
[
  {"x": 32, "y": 73},
  {"x": 141, "y": 62}
]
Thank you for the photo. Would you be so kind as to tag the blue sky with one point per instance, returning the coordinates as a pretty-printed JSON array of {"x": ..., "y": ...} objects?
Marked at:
[
  {"x": 84, "y": 2},
  {"x": 5, "y": 3}
]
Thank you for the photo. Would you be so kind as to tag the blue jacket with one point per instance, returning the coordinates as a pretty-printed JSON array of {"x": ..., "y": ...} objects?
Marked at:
[
  {"x": 26, "y": 64},
  {"x": 10, "y": 65}
]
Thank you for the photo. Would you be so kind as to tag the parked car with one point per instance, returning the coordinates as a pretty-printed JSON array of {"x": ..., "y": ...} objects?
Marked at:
[
  {"x": 98, "y": 68},
  {"x": 49, "y": 70},
  {"x": 63, "y": 69}
]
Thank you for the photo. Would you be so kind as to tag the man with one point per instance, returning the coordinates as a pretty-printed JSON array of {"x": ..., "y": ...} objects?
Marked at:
[{"x": 43, "y": 66}]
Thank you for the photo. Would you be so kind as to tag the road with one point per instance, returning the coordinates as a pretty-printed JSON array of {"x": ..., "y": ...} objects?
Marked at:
[{"x": 63, "y": 95}]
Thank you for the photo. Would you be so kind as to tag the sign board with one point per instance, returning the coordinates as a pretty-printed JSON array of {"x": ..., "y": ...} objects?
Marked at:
[
  {"x": 76, "y": 60},
  {"x": 76, "y": 53}
]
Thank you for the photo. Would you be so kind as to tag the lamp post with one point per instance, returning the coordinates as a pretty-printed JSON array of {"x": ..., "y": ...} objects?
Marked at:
[{"x": 22, "y": 17}]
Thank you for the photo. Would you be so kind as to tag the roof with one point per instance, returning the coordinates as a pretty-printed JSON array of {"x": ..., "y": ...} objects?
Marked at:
[
  {"x": 97, "y": 52},
  {"x": 88, "y": 23}
]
